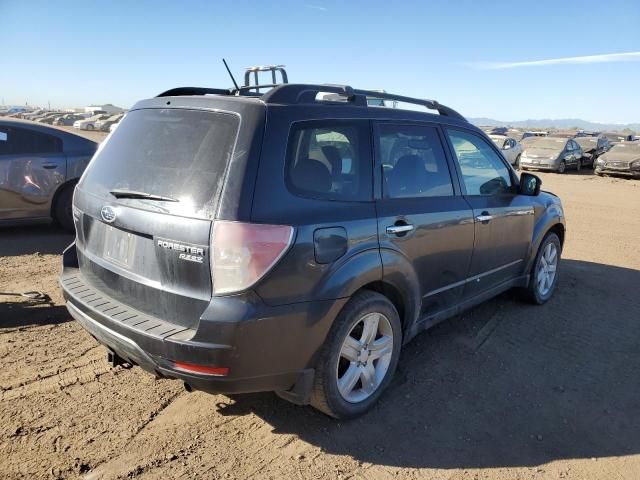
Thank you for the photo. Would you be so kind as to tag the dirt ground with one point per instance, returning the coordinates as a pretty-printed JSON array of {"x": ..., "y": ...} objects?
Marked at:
[{"x": 505, "y": 391}]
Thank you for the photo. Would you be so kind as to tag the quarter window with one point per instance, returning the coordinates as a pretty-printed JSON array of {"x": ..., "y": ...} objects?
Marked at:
[
  {"x": 413, "y": 162},
  {"x": 330, "y": 160},
  {"x": 483, "y": 172}
]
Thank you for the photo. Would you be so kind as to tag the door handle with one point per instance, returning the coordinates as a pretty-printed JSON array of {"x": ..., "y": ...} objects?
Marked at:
[
  {"x": 49, "y": 166},
  {"x": 484, "y": 217},
  {"x": 397, "y": 229}
]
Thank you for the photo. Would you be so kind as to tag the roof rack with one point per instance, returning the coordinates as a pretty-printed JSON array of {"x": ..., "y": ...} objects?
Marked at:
[
  {"x": 292, "y": 93},
  {"x": 301, "y": 93}
]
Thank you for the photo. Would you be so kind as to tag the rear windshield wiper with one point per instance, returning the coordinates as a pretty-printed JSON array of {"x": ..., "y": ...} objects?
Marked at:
[{"x": 142, "y": 195}]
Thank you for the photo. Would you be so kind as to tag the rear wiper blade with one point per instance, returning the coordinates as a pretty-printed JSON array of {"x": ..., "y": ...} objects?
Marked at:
[{"x": 142, "y": 195}]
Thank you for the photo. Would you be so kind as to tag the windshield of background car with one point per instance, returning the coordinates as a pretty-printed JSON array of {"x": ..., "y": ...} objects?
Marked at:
[
  {"x": 630, "y": 147},
  {"x": 181, "y": 154},
  {"x": 545, "y": 143}
]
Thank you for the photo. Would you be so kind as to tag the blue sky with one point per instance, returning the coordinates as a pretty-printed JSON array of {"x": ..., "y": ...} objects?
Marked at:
[{"x": 464, "y": 53}]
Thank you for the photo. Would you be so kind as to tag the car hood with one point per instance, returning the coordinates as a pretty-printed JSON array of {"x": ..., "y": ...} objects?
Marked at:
[{"x": 627, "y": 157}]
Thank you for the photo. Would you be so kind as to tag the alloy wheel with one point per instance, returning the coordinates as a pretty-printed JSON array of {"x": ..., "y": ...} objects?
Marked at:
[
  {"x": 547, "y": 266},
  {"x": 364, "y": 357}
]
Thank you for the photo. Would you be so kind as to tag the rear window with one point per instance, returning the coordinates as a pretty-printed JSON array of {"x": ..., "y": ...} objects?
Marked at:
[
  {"x": 330, "y": 160},
  {"x": 182, "y": 154}
]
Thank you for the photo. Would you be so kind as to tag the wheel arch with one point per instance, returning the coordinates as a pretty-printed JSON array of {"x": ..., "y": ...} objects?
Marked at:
[{"x": 54, "y": 200}]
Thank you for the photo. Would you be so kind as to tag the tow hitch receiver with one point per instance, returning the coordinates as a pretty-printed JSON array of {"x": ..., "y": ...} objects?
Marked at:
[{"x": 114, "y": 360}]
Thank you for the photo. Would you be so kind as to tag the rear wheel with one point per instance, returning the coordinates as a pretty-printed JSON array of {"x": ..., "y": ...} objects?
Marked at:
[
  {"x": 544, "y": 273},
  {"x": 516, "y": 164},
  {"x": 89, "y": 127},
  {"x": 63, "y": 211},
  {"x": 359, "y": 357},
  {"x": 579, "y": 165}
]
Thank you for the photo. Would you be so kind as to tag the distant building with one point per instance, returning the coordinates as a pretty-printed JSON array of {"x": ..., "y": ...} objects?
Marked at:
[{"x": 108, "y": 108}]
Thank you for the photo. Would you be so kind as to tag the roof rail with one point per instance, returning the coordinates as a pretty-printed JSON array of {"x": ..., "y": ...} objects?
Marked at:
[{"x": 303, "y": 93}]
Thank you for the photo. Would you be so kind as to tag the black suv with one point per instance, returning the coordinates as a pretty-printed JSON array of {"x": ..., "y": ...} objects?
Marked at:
[{"x": 285, "y": 242}]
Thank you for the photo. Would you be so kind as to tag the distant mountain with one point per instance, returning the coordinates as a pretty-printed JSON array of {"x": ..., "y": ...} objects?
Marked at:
[{"x": 560, "y": 123}]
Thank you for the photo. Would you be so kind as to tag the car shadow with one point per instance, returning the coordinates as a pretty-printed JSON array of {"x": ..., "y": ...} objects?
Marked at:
[
  {"x": 31, "y": 313},
  {"x": 505, "y": 384},
  {"x": 27, "y": 240}
]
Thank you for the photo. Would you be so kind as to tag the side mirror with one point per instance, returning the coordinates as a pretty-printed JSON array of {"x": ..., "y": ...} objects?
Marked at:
[
  {"x": 506, "y": 146},
  {"x": 530, "y": 184}
]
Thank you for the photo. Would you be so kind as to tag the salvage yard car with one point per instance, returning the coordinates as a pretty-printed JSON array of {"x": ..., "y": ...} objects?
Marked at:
[
  {"x": 592, "y": 148},
  {"x": 90, "y": 123},
  {"x": 511, "y": 150},
  {"x": 105, "y": 125},
  {"x": 550, "y": 153},
  {"x": 623, "y": 159},
  {"x": 278, "y": 242},
  {"x": 39, "y": 167}
]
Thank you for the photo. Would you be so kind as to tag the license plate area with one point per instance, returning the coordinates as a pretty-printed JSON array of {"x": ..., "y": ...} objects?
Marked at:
[{"x": 119, "y": 246}]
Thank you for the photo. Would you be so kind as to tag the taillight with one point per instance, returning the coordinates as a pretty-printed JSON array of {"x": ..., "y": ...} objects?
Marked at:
[{"x": 242, "y": 253}]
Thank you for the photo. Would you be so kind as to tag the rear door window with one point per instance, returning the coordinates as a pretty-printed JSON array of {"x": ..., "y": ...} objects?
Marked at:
[
  {"x": 25, "y": 141},
  {"x": 176, "y": 153},
  {"x": 330, "y": 160},
  {"x": 413, "y": 162}
]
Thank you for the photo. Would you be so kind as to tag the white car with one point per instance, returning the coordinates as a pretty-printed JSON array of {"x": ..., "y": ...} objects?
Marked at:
[
  {"x": 511, "y": 149},
  {"x": 90, "y": 123}
]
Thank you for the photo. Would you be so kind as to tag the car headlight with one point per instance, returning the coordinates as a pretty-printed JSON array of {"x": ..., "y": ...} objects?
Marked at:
[{"x": 600, "y": 161}]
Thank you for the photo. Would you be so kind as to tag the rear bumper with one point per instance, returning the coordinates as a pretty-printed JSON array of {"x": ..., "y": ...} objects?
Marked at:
[{"x": 265, "y": 348}]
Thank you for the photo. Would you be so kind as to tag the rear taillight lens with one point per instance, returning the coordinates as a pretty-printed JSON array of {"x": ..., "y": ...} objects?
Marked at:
[{"x": 242, "y": 253}]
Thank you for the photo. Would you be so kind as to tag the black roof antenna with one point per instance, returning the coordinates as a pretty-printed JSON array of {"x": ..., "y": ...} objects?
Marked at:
[{"x": 230, "y": 74}]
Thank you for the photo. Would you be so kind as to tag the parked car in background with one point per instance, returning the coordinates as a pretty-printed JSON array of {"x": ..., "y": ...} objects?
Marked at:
[
  {"x": 622, "y": 159},
  {"x": 304, "y": 264},
  {"x": 39, "y": 167},
  {"x": 550, "y": 153},
  {"x": 592, "y": 148},
  {"x": 105, "y": 125},
  {"x": 49, "y": 118},
  {"x": 510, "y": 148},
  {"x": 67, "y": 119},
  {"x": 33, "y": 114},
  {"x": 90, "y": 123},
  {"x": 529, "y": 134}
]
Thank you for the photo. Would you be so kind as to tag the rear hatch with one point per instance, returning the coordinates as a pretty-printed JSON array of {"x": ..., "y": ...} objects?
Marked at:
[{"x": 145, "y": 205}]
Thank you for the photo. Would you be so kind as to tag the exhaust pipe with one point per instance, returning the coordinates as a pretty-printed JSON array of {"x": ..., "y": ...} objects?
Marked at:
[{"x": 187, "y": 387}]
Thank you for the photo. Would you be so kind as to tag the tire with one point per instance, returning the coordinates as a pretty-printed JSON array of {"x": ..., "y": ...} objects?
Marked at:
[
  {"x": 534, "y": 293},
  {"x": 332, "y": 366},
  {"x": 562, "y": 167},
  {"x": 594, "y": 159},
  {"x": 578, "y": 165},
  {"x": 90, "y": 127},
  {"x": 516, "y": 164},
  {"x": 63, "y": 211}
]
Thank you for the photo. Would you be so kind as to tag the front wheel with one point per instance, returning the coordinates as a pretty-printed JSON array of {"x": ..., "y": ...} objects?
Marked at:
[
  {"x": 359, "y": 357},
  {"x": 579, "y": 165},
  {"x": 562, "y": 167},
  {"x": 516, "y": 164},
  {"x": 544, "y": 274},
  {"x": 90, "y": 127}
]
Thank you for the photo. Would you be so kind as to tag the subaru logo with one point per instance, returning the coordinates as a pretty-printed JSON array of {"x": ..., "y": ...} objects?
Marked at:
[{"x": 108, "y": 214}]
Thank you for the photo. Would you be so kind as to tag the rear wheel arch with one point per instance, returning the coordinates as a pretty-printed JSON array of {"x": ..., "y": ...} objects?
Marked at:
[
  {"x": 68, "y": 184},
  {"x": 392, "y": 294}
]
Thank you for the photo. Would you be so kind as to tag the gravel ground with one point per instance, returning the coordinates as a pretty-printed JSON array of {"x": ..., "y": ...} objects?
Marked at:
[{"x": 505, "y": 391}]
